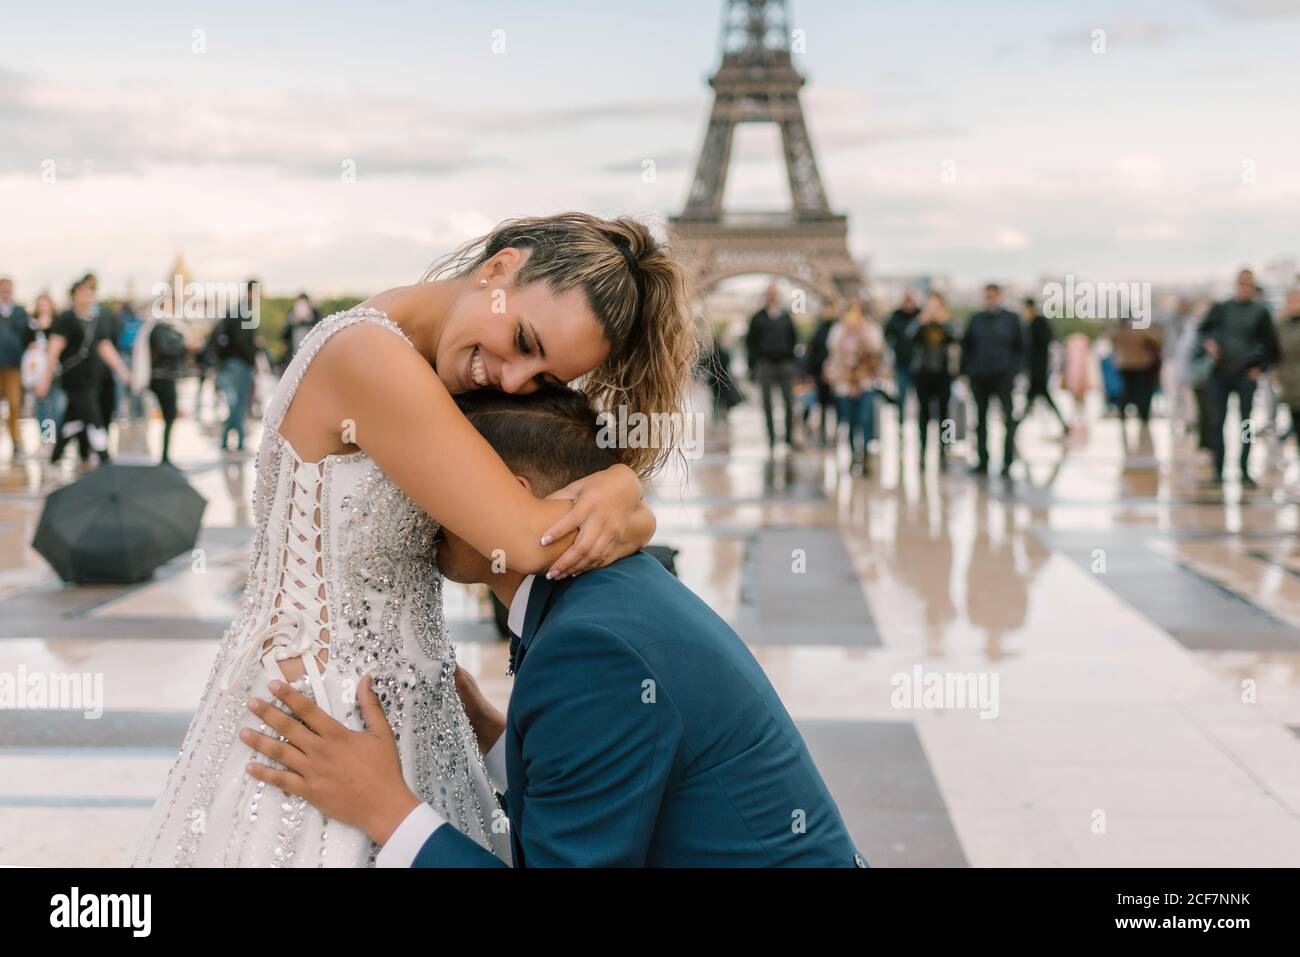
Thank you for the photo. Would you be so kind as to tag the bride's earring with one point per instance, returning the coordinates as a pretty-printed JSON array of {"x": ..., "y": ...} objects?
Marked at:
[{"x": 482, "y": 282}]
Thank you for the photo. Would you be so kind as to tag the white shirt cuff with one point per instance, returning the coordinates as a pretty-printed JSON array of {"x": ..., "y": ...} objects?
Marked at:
[
  {"x": 405, "y": 842},
  {"x": 495, "y": 762}
]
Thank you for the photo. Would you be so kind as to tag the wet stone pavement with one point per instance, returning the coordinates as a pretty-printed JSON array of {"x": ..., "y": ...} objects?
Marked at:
[{"x": 1140, "y": 630}]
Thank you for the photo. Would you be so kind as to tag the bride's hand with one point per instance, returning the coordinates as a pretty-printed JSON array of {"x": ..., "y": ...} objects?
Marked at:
[{"x": 610, "y": 515}]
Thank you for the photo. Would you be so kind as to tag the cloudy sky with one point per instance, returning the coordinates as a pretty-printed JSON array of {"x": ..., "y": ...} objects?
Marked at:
[{"x": 134, "y": 129}]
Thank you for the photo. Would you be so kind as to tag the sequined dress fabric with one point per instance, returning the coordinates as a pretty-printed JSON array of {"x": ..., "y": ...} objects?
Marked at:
[{"x": 342, "y": 571}]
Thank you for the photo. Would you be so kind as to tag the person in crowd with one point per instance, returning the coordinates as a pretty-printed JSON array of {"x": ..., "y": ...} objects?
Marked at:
[
  {"x": 82, "y": 351},
  {"x": 1179, "y": 337},
  {"x": 48, "y": 408},
  {"x": 1288, "y": 367},
  {"x": 770, "y": 345},
  {"x": 111, "y": 382},
  {"x": 301, "y": 320},
  {"x": 1239, "y": 337},
  {"x": 205, "y": 364},
  {"x": 1077, "y": 375},
  {"x": 1112, "y": 383},
  {"x": 1039, "y": 336},
  {"x": 235, "y": 344},
  {"x": 931, "y": 347},
  {"x": 1199, "y": 367},
  {"x": 898, "y": 335},
  {"x": 992, "y": 354},
  {"x": 1272, "y": 405},
  {"x": 13, "y": 324},
  {"x": 856, "y": 350},
  {"x": 158, "y": 362},
  {"x": 815, "y": 366},
  {"x": 1137, "y": 350},
  {"x": 131, "y": 325},
  {"x": 715, "y": 370}
]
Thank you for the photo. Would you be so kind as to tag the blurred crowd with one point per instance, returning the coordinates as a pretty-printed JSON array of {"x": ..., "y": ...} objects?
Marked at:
[
  {"x": 833, "y": 381},
  {"x": 81, "y": 369}
]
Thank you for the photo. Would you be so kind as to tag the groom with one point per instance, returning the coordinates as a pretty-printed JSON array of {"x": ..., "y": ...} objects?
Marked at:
[{"x": 640, "y": 730}]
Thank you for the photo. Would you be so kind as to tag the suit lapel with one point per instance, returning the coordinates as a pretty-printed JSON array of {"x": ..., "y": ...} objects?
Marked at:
[{"x": 541, "y": 596}]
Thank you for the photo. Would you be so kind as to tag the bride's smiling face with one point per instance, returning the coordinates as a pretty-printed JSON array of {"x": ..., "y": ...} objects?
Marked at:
[{"x": 502, "y": 336}]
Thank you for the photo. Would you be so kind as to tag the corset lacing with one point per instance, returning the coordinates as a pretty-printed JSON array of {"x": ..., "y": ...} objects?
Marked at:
[{"x": 296, "y": 624}]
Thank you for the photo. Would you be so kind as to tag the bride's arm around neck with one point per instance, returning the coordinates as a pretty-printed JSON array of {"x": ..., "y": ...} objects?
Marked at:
[
  {"x": 396, "y": 409},
  {"x": 378, "y": 389}
]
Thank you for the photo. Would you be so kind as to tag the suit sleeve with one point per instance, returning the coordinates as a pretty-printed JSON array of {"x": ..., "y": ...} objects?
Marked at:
[
  {"x": 448, "y": 847},
  {"x": 599, "y": 739}
]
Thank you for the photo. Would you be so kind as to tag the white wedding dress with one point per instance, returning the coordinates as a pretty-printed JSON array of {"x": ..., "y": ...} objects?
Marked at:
[{"x": 342, "y": 567}]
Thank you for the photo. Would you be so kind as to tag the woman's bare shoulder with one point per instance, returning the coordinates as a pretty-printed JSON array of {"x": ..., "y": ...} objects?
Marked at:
[
  {"x": 374, "y": 364},
  {"x": 370, "y": 344}
]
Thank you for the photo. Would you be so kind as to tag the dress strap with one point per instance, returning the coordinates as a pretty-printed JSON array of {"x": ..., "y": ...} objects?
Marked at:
[{"x": 311, "y": 345}]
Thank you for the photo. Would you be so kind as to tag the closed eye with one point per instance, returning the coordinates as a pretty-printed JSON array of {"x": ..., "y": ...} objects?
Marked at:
[{"x": 521, "y": 342}]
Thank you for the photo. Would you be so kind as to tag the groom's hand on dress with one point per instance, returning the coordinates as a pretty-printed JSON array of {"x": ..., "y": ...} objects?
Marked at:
[{"x": 351, "y": 776}]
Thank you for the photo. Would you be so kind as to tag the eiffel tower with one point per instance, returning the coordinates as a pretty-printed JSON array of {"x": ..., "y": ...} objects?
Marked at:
[{"x": 757, "y": 83}]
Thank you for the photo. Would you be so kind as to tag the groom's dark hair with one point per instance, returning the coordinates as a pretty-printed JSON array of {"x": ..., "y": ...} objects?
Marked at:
[{"x": 548, "y": 436}]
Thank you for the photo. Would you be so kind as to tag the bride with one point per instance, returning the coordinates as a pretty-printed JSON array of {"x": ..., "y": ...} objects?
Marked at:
[{"x": 363, "y": 456}]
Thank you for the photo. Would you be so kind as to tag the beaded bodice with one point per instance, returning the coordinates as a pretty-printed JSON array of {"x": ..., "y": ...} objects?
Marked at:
[
  {"x": 342, "y": 576},
  {"x": 342, "y": 563}
]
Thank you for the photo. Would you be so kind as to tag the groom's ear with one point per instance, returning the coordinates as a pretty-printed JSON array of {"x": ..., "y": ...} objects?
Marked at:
[{"x": 528, "y": 486}]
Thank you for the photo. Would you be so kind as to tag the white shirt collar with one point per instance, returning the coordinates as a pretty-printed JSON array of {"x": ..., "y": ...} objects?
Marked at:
[{"x": 519, "y": 607}]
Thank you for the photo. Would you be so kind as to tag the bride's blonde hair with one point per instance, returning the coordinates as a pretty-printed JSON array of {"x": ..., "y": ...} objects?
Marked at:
[{"x": 637, "y": 291}]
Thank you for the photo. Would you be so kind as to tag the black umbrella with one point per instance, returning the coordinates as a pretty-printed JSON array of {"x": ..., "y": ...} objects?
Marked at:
[{"x": 118, "y": 523}]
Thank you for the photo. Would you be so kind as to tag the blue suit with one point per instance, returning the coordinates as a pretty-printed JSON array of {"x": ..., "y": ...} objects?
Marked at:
[{"x": 642, "y": 732}]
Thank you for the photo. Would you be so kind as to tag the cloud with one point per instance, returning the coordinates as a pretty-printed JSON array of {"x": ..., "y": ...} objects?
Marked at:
[
  {"x": 664, "y": 160},
  {"x": 1123, "y": 31},
  {"x": 686, "y": 110},
  {"x": 1140, "y": 170},
  {"x": 1256, "y": 9},
  {"x": 876, "y": 134},
  {"x": 845, "y": 119},
  {"x": 841, "y": 119},
  {"x": 900, "y": 77},
  {"x": 113, "y": 130},
  {"x": 116, "y": 131},
  {"x": 1153, "y": 232}
]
